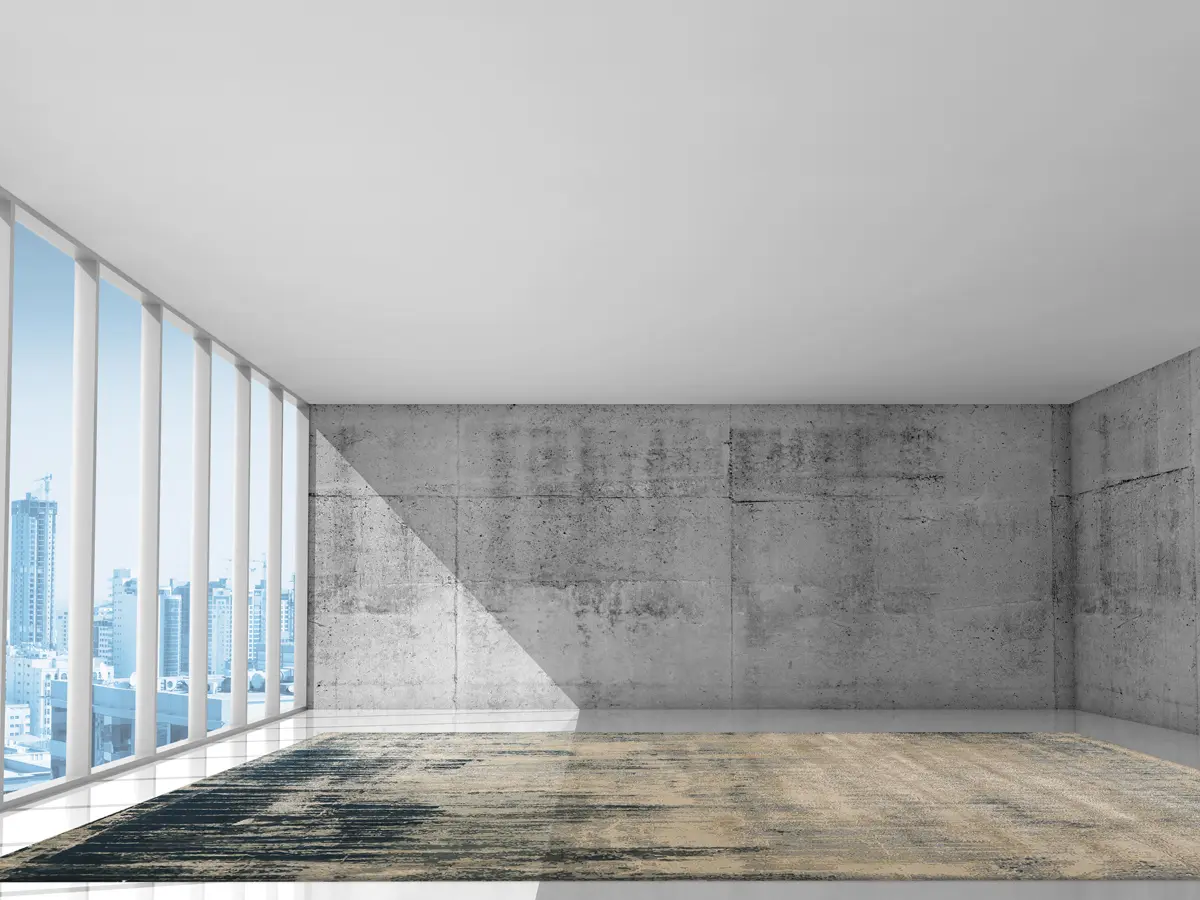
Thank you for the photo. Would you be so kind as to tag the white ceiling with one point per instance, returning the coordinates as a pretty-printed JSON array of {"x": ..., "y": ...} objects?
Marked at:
[{"x": 633, "y": 200}]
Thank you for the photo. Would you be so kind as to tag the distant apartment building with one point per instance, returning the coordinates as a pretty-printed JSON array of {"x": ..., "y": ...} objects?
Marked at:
[
  {"x": 256, "y": 651},
  {"x": 124, "y": 623},
  {"x": 16, "y": 721},
  {"x": 220, "y": 627},
  {"x": 29, "y": 675},
  {"x": 174, "y": 627},
  {"x": 288, "y": 605},
  {"x": 31, "y": 593},
  {"x": 58, "y": 639},
  {"x": 102, "y": 635}
]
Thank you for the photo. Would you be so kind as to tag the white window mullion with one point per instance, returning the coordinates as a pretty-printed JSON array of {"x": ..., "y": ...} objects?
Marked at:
[
  {"x": 146, "y": 720},
  {"x": 201, "y": 478},
  {"x": 241, "y": 547},
  {"x": 274, "y": 548},
  {"x": 83, "y": 518},
  {"x": 7, "y": 236},
  {"x": 300, "y": 635}
]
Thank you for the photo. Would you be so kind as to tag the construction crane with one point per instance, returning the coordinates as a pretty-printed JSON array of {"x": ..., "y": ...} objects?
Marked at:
[{"x": 45, "y": 483}]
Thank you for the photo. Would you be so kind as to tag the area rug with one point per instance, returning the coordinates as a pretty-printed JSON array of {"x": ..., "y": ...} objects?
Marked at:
[{"x": 553, "y": 805}]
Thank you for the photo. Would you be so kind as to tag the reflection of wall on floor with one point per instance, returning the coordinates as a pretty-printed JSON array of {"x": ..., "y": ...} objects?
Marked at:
[{"x": 761, "y": 556}]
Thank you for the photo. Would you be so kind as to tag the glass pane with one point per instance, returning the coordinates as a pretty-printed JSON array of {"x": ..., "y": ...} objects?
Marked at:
[
  {"x": 114, "y": 612},
  {"x": 40, "y": 489},
  {"x": 175, "y": 530},
  {"x": 287, "y": 606},
  {"x": 260, "y": 452},
  {"x": 220, "y": 549}
]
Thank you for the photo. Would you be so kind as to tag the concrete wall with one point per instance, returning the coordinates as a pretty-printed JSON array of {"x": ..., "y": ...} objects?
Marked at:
[
  {"x": 775, "y": 556},
  {"x": 1134, "y": 450}
]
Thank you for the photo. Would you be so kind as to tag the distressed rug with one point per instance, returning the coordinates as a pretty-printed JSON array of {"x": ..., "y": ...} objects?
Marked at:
[{"x": 556, "y": 805}]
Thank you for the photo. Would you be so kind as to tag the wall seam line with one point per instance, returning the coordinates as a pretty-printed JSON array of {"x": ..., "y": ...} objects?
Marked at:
[
  {"x": 729, "y": 488},
  {"x": 1134, "y": 480},
  {"x": 457, "y": 501},
  {"x": 1055, "y": 461},
  {"x": 1195, "y": 563}
]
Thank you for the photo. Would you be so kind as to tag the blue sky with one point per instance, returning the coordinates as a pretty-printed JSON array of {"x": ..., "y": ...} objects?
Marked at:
[{"x": 43, "y": 303}]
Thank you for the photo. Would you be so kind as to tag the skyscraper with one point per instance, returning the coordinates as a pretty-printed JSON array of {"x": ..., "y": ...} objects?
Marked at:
[
  {"x": 124, "y": 623},
  {"x": 220, "y": 627},
  {"x": 174, "y": 620},
  {"x": 288, "y": 607},
  {"x": 256, "y": 651},
  {"x": 102, "y": 635},
  {"x": 34, "y": 523}
]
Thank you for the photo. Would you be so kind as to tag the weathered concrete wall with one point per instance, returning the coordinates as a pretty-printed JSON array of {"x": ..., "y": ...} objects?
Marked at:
[
  {"x": 1134, "y": 451},
  {"x": 892, "y": 557},
  {"x": 816, "y": 556}
]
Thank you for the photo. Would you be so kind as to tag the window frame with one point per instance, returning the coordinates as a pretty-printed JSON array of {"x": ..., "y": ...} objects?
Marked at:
[{"x": 90, "y": 269}]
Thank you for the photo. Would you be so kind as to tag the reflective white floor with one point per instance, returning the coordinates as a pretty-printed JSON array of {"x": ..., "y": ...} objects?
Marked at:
[{"x": 27, "y": 825}]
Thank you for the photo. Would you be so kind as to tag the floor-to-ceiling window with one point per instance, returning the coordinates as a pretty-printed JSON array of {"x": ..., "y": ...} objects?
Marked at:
[
  {"x": 287, "y": 600},
  {"x": 39, "y": 491},
  {"x": 220, "y": 543},
  {"x": 259, "y": 512},
  {"x": 79, "y": 326},
  {"x": 175, "y": 529},
  {"x": 114, "y": 607}
]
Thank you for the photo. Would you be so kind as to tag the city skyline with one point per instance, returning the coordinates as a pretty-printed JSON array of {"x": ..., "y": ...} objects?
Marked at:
[
  {"x": 41, "y": 428},
  {"x": 40, "y": 510}
]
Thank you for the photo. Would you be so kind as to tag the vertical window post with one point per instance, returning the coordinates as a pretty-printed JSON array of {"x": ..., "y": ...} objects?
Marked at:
[
  {"x": 8, "y": 220},
  {"x": 241, "y": 547},
  {"x": 198, "y": 590},
  {"x": 300, "y": 638},
  {"x": 274, "y": 548},
  {"x": 83, "y": 518},
  {"x": 146, "y": 725}
]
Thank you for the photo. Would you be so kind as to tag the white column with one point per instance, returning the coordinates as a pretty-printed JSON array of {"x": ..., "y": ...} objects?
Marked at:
[
  {"x": 7, "y": 236},
  {"x": 83, "y": 518},
  {"x": 146, "y": 721},
  {"x": 300, "y": 688},
  {"x": 274, "y": 548},
  {"x": 241, "y": 546},
  {"x": 201, "y": 476}
]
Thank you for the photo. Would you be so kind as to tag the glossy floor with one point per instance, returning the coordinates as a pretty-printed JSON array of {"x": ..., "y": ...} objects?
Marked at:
[{"x": 27, "y": 825}]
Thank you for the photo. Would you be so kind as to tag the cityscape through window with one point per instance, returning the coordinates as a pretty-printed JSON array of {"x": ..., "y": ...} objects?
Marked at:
[
  {"x": 35, "y": 697},
  {"x": 114, "y": 607},
  {"x": 42, "y": 417}
]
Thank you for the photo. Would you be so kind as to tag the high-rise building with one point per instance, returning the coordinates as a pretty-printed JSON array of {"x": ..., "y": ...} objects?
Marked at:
[
  {"x": 174, "y": 619},
  {"x": 102, "y": 635},
  {"x": 220, "y": 627},
  {"x": 28, "y": 677},
  {"x": 31, "y": 596},
  {"x": 124, "y": 623},
  {"x": 288, "y": 605},
  {"x": 257, "y": 645},
  {"x": 58, "y": 634}
]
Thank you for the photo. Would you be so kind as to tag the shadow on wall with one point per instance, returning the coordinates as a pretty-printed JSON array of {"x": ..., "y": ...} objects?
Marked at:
[
  {"x": 467, "y": 562},
  {"x": 683, "y": 557},
  {"x": 388, "y": 609}
]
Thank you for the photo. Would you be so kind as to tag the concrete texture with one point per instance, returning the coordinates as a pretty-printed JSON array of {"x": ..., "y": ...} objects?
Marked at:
[
  {"x": 892, "y": 556},
  {"x": 1062, "y": 556},
  {"x": 382, "y": 589},
  {"x": 1133, "y": 461},
  {"x": 594, "y": 451},
  {"x": 690, "y": 557}
]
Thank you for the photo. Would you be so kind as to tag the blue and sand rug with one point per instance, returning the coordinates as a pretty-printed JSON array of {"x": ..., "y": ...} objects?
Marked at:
[{"x": 554, "y": 805}]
